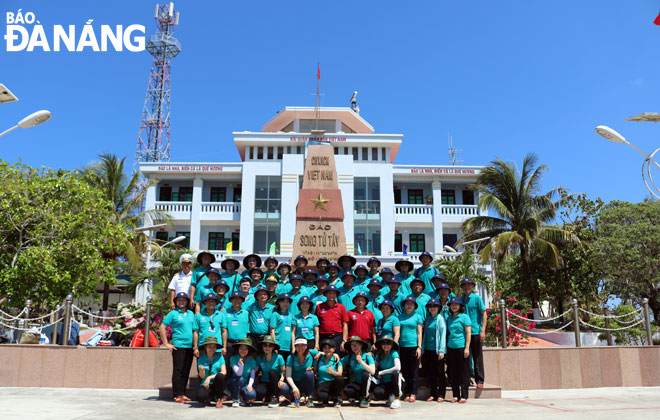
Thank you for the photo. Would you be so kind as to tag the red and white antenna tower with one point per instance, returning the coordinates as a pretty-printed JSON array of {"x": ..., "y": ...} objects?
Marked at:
[{"x": 153, "y": 143}]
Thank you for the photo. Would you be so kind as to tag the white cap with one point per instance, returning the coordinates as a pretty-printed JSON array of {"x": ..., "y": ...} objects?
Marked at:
[
  {"x": 185, "y": 257},
  {"x": 300, "y": 340}
]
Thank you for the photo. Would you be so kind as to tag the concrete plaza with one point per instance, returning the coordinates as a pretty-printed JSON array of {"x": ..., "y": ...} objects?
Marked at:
[{"x": 593, "y": 403}]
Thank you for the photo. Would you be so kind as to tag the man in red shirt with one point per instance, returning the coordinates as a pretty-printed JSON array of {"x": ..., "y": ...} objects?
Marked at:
[
  {"x": 333, "y": 318},
  {"x": 361, "y": 321}
]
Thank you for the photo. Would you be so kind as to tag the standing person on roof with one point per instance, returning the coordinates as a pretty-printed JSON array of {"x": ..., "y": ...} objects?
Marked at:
[
  {"x": 181, "y": 321},
  {"x": 182, "y": 280},
  {"x": 476, "y": 310}
]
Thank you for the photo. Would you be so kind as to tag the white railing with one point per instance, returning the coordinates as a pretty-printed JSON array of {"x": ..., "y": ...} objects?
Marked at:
[
  {"x": 221, "y": 207},
  {"x": 460, "y": 210},
  {"x": 173, "y": 206},
  {"x": 413, "y": 209}
]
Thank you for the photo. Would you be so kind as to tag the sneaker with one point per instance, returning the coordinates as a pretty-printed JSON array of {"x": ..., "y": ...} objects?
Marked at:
[
  {"x": 274, "y": 403},
  {"x": 310, "y": 402},
  {"x": 296, "y": 403},
  {"x": 338, "y": 402},
  {"x": 364, "y": 403},
  {"x": 396, "y": 403},
  {"x": 235, "y": 404},
  {"x": 389, "y": 401}
]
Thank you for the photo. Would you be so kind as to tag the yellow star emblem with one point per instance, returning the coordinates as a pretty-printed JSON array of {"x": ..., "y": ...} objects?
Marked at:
[{"x": 320, "y": 202}]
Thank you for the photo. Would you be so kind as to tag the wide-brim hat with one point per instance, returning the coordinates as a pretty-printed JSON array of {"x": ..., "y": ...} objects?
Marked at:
[
  {"x": 386, "y": 302},
  {"x": 269, "y": 339},
  {"x": 386, "y": 270},
  {"x": 427, "y": 254},
  {"x": 410, "y": 299},
  {"x": 348, "y": 274},
  {"x": 456, "y": 300},
  {"x": 322, "y": 259},
  {"x": 270, "y": 258},
  {"x": 305, "y": 299},
  {"x": 210, "y": 296},
  {"x": 221, "y": 283},
  {"x": 259, "y": 289},
  {"x": 331, "y": 288},
  {"x": 245, "y": 342},
  {"x": 361, "y": 267},
  {"x": 333, "y": 265},
  {"x": 374, "y": 282},
  {"x": 255, "y": 269},
  {"x": 224, "y": 262},
  {"x": 386, "y": 338},
  {"x": 237, "y": 295},
  {"x": 433, "y": 301},
  {"x": 309, "y": 271},
  {"x": 182, "y": 295},
  {"x": 360, "y": 295},
  {"x": 439, "y": 276},
  {"x": 418, "y": 280},
  {"x": 467, "y": 280},
  {"x": 283, "y": 264},
  {"x": 400, "y": 263},
  {"x": 295, "y": 276},
  {"x": 284, "y": 296},
  {"x": 212, "y": 270},
  {"x": 373, "y": 259},
  {"x": 394, "y": 280},
  {"x": 321, "y": 278},
  {"x": 211, "y": 340},
  {"x": 346, "y": 257},
  {"x": 301, "y": 257},
  {"x": 252, "y": 255},
  {"x": 442, "y": 286},
  {"x": 329, "y": 342},
  {"x": 199, "y": 256},
  {"x": 355, "y": 339}
]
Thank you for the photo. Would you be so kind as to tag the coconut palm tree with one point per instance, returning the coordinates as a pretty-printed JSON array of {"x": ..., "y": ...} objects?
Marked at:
[
  {"x": 521, "y": 220},
  {"x": 126, "y": 195}
]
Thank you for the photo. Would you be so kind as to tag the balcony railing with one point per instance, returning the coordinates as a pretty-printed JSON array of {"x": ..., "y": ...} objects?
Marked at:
[
  {"x": 173, "y": 206},
  {"x": 413, "y": 209},
  {"x": 459, "y": 210},
  {"x": 221, "y": 207}
]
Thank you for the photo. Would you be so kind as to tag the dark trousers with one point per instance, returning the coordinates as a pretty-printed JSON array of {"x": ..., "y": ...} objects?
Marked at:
[
  {"x": 238, "y": 388},
  {"x": 477, "y": 358},
  {"x": 215, "y": 391},
  {"x": 285, "y": 354},
  {"x": 336, "y": 339},
  {"x": 256, "y": 339},
  {"x": 459, "y": 368},
  {"x": 305, "y": 385},
  {"x": 434, "y": 370},
  {"x": 330, "y": 389},
  {"x": 409, "y": 369},
  {"x": 357, "y": 390},
  {"x": 310, "y": 345},
  {"x": 181, "y": 361},
  {"x": 267, "y": 387},
  {"x": 382, "y": 391}
]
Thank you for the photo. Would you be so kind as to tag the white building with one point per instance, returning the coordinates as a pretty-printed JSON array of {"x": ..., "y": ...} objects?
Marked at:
[{"x": 387, "y": 206}]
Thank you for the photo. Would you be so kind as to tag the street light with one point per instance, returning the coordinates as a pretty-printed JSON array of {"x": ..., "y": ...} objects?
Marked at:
[
  {"x": 612, "y": 135},
  {"x": 31, "y": 120}
]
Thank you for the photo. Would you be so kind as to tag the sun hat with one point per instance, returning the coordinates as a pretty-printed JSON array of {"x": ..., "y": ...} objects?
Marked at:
[
  {"x": 427, "y": 254},
  {"x": 224, "y": 262},
  {"x": 322, "y": 259},
  {"x": 284, "y": 296},
  {"x": 269, "y": 340},
  {"x": 270, "y": 258},
  {"x": 433, "y": 301},
  {"x": 388, "y": 339},
  {"x": 418, "y": 280},
  {"x": 442, "y": 286},
  {"x": 213, "y": 270},
  {"x": 321, "y": 278},
  {"x": 394, "y": 280},
  {"x": 199, "y": 256},
  {"x": 373, "y": 259},
  {"x": 248, "y": 257},
  {"x": 360, "y": 295},
  {"x": 456, "y": 300},
  {"x": 254, "y": 270},
  {"x": 220, "y": 282},
  {"x": 386, "y": 270},
  {"x": 300, "y": 340},
  {"x": 361, "y": 267},
  {"x": 282, "y": 265},
  {"x": 347, "y": 257},
  {"x": 237, "y": 295},
  {"x": 329, "y": 342},
  {"x": 347, "y": 274},
  {"x": 305, "y": 299},
  {"x": 246, "y": 342},
  {"x": 211, "y": 340},
  {"x": 295, "y": 277},
  {"x": 467, "y": 280},
  {"x": 355, "y": 339},
  {"x": 210, "y": 296},
  {"x": 386, "y": 302},
  {"x": 374, "y": 282},
  {"x": 439, "y": 276},
  {"x": 260, "y": 288},
  {"x": 412, "y": 299},
  {"x": 333, "y": 265},
  {"x": 300, "y": 257},
  {"x": 331, "y": 288},
  {"x": 182, "y": 295},
  {"x": 408, "y": 263},
  {"x": 309, "y": 271}
]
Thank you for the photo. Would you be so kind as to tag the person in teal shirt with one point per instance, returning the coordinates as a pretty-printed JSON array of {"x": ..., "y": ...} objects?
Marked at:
[
  {"x": 405, "y": 268},
  {"x": 270, "y": 372},
  {"x": 410, "y": 346},
  {"x": 328, "y": 367},
  {"x": 281, "y": 325},
  {"x": 309, "y": 279},
  {"x": 346, "y": 264},
  {"x": 306, "y": 323},
  {"x": 358, "y": 365},
  {"x": 208, "y": 322},
  {"x": 231, "y": 275},
  {"x": 205, "y": 286},
  {"x": 181, "y": 320},
  {"x": 434, "y": 348},
  {"x": 333, "y": 275},
  {"x": 426, "y": 271},
  {"x": 388, "y": 368},
  {"x": 296, "y": 292},
  {"x": 476, "y": 310},
  {"x": 375, "y": 298},
  {"x": 271, "y": 267},
  {"x": 260, "y": 312},
  {"x": 393, "y": 294},
  {"x": 284, "y": 272},
  {"x": 221, "y": 289},
  {"x": 212, "y": 372},
  {"x": 361, "y": 279},
  {"x": 443, "y": 294},
  {"x": 318, "y": 296},
  {"x": 244, "y": 370},
  {"x": 256, "y": 279},
  {"x": 322, "y": 266},
  {"x": 348, "y": 291},
  {"x": 300, "y": 374},
  {"x": 385, "y": 276},
  {"x": 249, "y": 262},
  {"x": 300, "y": 264},
  {"x": 204, "y": 259},
  {"x": 389, "y": 323},
  {"x": 373, "y": 264},
  {"x": 235, "y": 323},
  {"x": 244, "y": 289},
  {"x": 416, "y": 289},
  {"x": 458, "y": 349}
]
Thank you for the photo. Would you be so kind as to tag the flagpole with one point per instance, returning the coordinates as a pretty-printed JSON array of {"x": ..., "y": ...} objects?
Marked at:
[{"x": 318, "y": 109}]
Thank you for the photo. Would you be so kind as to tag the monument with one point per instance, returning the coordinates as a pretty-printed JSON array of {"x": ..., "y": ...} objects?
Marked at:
[{"x": 320, "y": 213}]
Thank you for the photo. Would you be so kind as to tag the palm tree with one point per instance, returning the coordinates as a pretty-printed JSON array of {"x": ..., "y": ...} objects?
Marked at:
[
  {"x": 521, "y": 221},
  {"x": 126, "y": 195}
]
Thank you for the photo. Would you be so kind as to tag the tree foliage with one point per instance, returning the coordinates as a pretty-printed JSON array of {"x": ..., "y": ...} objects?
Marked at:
[
  {"x": 55, "y": 229},
  {"x": 463, "y": 266}
]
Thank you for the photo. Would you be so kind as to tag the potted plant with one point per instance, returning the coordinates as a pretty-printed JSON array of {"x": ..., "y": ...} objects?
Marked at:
[{"x": 429, "y": 199}]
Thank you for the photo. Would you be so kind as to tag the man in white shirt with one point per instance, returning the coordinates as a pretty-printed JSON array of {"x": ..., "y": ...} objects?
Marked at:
[{"x": 181, "y": 280}]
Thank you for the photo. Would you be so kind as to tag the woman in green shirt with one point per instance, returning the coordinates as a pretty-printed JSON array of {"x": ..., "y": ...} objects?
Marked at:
[
  {"x": 270, "y": 372},
  {"x": 181, "y": 320},
  {"x": 244, "y": 369},
  {"x": 300, "y": 374},
  {"x": 212, "y": 372},
  {"x": 410, "y": 346},
  {"x": 434, "y": 350},
  {"x": 458, "y": 350},
  {"x": 388, "y": 366},
  {"x": 329, "y": 370},
  {"x": 389, "y": 324},
  {"x": 280, "y": 324},
  {"x": 307, "y": 324},
  {"x": 358, "y": 365}
]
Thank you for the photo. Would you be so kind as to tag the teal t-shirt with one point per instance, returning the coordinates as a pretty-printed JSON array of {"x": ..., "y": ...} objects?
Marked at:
[
  {"x": 405, "y": 283},
  {"x": 474, "y": 308},
  {"x": 322, "y": 368},
  {"x": 276, "y": 362},
  {"x": 346, "y": 297},
  {"x": 197, "y": 274},
  {"x": 237, "y": 323},
  {"x": 298, "y": 368},
  {"x": 305, "y": 326},
  {"x": 249, "y": 366},
  {"x": 209, "y": 325},
  {"x": 373, "y": 307},
  {"x": 396, "y": 300},
  {"x": 213, "y": 366},
  {"x": 202, "y": 288},
  {"x": 182, "y": 327},
  {"x": 283, "y": 287},
  {"x": 355, "y": 368},
  {"x": 233, "y": 281},
  {"x": 282, "y": 323},
  {"x": 435, "y": 334},
  {"x": 259, "y": 318},
  {"x": 456, "y": 330},
  {"x": 426, "y": 275},
  {"x": 336, "y": 282},
  {"x": 421, "y": 300},
  {"x": 409, "y": 325},
  {"x": 295, "y": 297},
  {"x": 386, "y": 361},
  {"x": 385, "y": 326}
]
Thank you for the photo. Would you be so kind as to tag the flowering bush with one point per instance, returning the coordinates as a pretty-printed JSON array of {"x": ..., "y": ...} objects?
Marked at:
[
  {"x": 514, "y": 337},
  {"x": 131, "y": 318}
]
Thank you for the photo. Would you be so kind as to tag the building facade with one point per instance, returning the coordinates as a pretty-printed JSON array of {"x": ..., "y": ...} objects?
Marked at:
[{"x": 389, "y": 209}]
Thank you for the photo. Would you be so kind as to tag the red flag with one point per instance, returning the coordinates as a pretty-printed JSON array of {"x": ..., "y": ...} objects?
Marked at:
[
  {"x": 318, "y": 69},
  {"x": 657, "y": 20}
]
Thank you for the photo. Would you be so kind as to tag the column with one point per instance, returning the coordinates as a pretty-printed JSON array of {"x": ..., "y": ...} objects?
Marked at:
[
  {"x": 247, "y": 209},
  {"x": 345, "y": 181},
  {"x": 288, "y": 216},
  {"x": 150, "y": 197},
  {"x": 386, "y": 210},
  {"x": 196, "y": 213},
  {"x": 436, "y": 188}
]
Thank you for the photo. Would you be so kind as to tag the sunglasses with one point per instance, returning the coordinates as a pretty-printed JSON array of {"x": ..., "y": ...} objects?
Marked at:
[{"x": 268, "y": 345}]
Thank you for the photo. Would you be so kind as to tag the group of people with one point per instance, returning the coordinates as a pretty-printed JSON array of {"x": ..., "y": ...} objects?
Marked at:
[{"x": 296, "y": 333}]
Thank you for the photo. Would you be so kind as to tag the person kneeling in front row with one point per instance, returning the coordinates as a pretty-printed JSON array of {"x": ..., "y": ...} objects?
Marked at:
[
  {"x": 388, "y": 366},
  {"x": 329, "y": 370},
  {"x": 244, "y": 368},
  {"x": 212, "y": 372}
]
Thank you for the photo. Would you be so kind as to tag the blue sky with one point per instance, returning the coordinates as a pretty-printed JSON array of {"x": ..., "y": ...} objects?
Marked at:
[{"x": 505, "y": 78}]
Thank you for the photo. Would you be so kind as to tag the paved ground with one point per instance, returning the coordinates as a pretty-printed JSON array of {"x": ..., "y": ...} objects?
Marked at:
[{"x": 598, "y": 403}]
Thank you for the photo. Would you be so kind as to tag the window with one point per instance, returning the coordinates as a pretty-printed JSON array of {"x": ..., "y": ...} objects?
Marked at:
[
  {"x": 397, "y": 196},
  {"x": 165, "y": 194},
  {"x": 260, "y": 152},
  {"x": 251, "y": 152},
  {"x": 329, "y": 126},
  {"x": 267, "y": 208},
  {"x": 185, "y": 193},
  {"x": 468, "y": 197},
  {"x": 288, "y": 150},
  {"x": 280, "y": 152},
  {"x": 162, "y": 236},
  {"x": 450, "y": 239},
  {"x": 374, "y": 154},
  {"x": 236, "y": 241},
  {"x": 417, "y": 242},
  {"x": 237, "y": 194},
  {"x": 218, "y": 194},
  {"x": 383, "y": 153},
  {"x": 415, "y": 196},
  {"x": 355, "y": 153},
  {"x": 186, "y": 243},
  {"x": 216, "y": 241},
  {"x": 366, "y": 192},
  {"x": 398, "y": 242},
  {"x": 299, "y": 150},
  {"x": 448, "y": 197},
  {"x": 270, "y": 152},
  {"x": 365, "y": 153},
  {"x": 336, "y": 150}
]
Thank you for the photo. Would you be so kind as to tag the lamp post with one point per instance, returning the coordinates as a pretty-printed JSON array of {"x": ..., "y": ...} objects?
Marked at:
[
  {"x": 613, "y": 136},
  {"x": 31, "y": 120}
]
